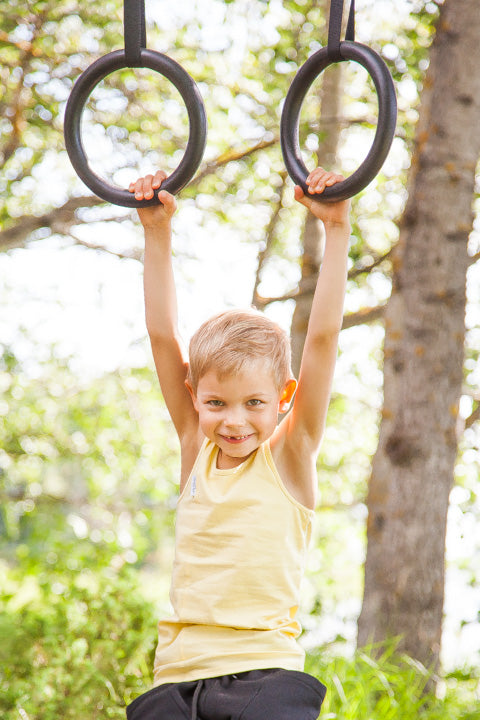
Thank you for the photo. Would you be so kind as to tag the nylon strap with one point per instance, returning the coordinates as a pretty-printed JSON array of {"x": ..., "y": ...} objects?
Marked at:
[
  {"x": 335, "y": 28},
  {"x": 134, "y": 31}
]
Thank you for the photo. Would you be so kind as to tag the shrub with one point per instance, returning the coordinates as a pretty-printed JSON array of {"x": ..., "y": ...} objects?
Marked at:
[
  {"x": 81, "y": 646},
  {"x": 81, "y": 650}
]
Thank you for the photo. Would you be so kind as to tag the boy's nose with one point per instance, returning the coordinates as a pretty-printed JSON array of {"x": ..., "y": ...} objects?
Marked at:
[{"x": 233, "y": 418}]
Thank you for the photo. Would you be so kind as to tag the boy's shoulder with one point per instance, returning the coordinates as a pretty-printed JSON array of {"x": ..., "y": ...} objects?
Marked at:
[
  {"x": 190, "y": 444},
  {"x": 296, "y": 464}
]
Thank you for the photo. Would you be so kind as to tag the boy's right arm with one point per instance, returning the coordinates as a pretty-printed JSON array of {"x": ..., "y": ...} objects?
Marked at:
[{"x": 161, "y": 305}]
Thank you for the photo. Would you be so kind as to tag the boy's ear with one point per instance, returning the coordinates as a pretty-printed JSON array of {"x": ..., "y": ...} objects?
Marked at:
[
  {"x": 287, "y": 395},
  {"x": 192, "y": 394}
]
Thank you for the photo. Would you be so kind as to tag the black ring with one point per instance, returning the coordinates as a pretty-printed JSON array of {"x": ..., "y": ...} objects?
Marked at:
[
  {"x": 196, "y": 115},
  {"x": 387, "y": 117}
]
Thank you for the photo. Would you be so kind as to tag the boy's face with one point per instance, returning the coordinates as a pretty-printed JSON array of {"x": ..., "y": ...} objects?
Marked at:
[{"x": 240, "y": 412}]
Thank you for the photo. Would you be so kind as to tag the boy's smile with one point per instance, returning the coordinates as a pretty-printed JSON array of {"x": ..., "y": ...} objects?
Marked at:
[{"x": 239, "y": 413}]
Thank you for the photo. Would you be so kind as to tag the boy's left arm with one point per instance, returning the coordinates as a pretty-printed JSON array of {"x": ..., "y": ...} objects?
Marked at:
[{"x": 306, "y": 421}]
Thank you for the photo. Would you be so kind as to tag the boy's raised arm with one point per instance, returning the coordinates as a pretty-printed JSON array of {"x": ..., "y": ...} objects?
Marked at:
[
  {"x": 161, "y": 303},
  {"x": 307, "y": 419}
]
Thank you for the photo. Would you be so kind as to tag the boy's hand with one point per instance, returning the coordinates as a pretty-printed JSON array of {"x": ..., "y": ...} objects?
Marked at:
[
  {"x": 156, "y": 214},
  {"x": 332, "y": 213}
]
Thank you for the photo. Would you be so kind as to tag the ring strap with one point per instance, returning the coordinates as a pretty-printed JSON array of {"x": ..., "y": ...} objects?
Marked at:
[
  {"x": 134, "y": 31},
  {"x": 335, "y": 28}
]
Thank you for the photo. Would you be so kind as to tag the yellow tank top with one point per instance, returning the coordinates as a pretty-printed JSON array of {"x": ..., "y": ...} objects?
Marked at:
[{"x": 241, "y": 543}]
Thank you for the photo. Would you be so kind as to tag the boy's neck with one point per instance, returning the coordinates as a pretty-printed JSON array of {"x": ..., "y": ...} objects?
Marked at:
[{"x": 227, "y": 462}]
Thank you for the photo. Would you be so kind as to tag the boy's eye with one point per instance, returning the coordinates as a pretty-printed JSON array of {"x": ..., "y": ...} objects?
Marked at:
[
  {"x": 254, "y": 402},
  {"x": 215, "y": 403}
]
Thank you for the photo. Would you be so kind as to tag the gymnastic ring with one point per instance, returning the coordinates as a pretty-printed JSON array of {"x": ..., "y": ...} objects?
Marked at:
[
  {"x": 190, "y": 94},
  {"x": 387, "y": 116}
]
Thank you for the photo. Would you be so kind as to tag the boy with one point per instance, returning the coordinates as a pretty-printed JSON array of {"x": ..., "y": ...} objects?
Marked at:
[{"x": 247, "y": 487}]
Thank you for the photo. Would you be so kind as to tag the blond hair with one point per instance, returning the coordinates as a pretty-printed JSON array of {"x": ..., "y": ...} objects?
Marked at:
[{"x": 232, "y": 338}]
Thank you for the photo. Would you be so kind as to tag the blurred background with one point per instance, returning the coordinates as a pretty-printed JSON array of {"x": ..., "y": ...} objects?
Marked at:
[{"x": 89, "y": 462}]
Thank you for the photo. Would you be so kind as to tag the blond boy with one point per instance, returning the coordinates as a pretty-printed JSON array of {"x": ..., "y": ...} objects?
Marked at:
[{"x": 247, "y": 486}]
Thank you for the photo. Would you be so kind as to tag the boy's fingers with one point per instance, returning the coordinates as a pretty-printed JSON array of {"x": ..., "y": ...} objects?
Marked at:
[
  {"x": 317, "y": 186},
  {"x": 160, "y": 176},
  {"x": 134, "y": 184},
  {"x": 319, "y": 179},
  {"x": 144, "y": 186},
  {"x": 316, "y": 175},
  {"x": 334, "y": 178},
  {"x": 138, "y": 186},
  {"x": 147, "y": 187}
]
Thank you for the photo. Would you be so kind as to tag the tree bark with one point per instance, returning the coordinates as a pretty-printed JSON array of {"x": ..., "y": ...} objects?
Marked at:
[
  {"x": 412, "y": 471},
  {"x": 313, "y": 239}
]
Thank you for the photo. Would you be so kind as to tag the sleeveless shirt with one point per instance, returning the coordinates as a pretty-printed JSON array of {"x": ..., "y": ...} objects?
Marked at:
[{"x": 240, "y": 552}]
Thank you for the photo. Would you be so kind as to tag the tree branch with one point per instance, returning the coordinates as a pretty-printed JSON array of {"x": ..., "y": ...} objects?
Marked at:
[
  {"x": 132, "y": 254},
  {"x": 361, "y": 317},
  {"x": 59, "y": 219},
  {"x": 342, "y": 122},
  {"x": 359, "y": 269},
  {"x": 473, "y": 417},
  {"x": 262, "y": 302},
  {"x": 230, "y": 156},
  {"x": 364, "y": 316},
  {"x": 269, "y": 239}
]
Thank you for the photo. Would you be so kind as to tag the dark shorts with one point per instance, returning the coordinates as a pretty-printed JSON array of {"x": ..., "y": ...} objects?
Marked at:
[{"x": 255, "y": 695}]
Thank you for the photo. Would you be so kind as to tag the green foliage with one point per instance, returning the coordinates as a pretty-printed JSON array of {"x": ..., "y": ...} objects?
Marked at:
[
  {"x": 136, "y": 120},
  {"x": 83, "y": 648},
  {"x": 87, "y": 486},
  {"x": 88, "y": 471},
  {"x": 42, "y": 47},
  {"x": 86, "y": 650},
  {"x": 378, "y": 684}
]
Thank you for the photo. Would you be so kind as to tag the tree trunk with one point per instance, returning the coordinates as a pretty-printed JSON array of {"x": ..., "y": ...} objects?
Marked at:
[
  {"x": 313, "y": 240},
  {"x": 412, "y": 471}
]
